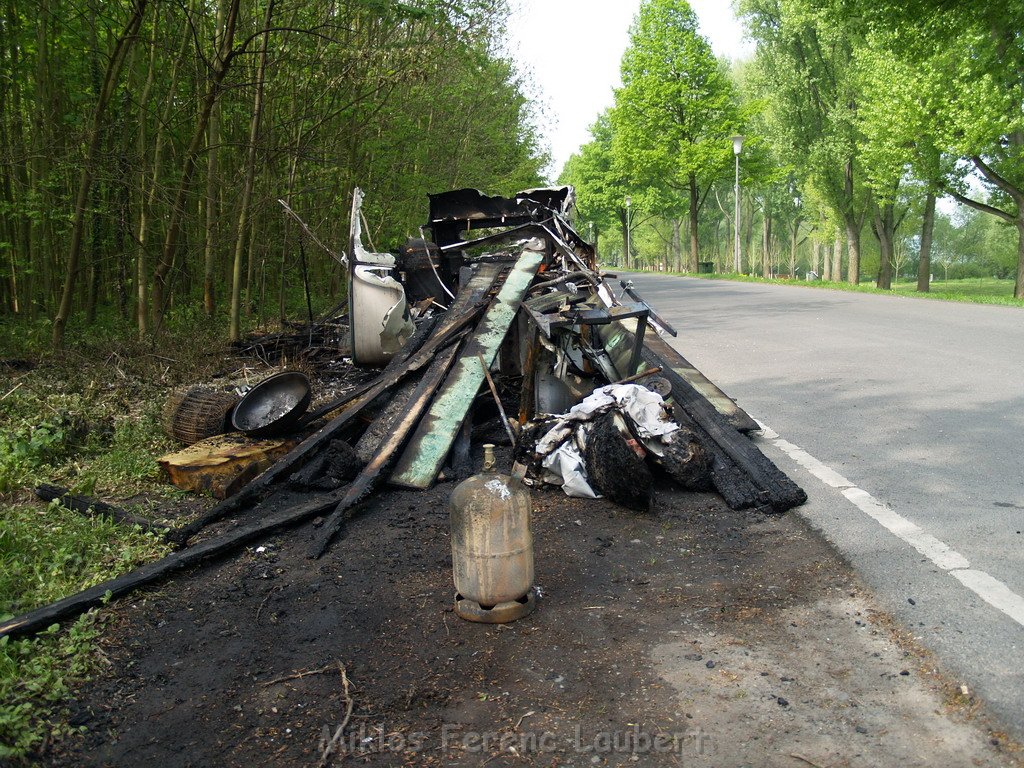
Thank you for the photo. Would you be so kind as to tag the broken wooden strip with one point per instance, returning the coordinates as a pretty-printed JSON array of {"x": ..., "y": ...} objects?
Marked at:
[
  {"x": 42, "y": 618},
  {"x": 618, "y": 339},
  {"x": 373, "y": 473},
  {"x": 94, "y": 507},
  {"x": 429, "y": 446},
  {"x": 497, "y": 400},
  {"x": 530, "y": 338},
  {"x": 445, "y": 333}
]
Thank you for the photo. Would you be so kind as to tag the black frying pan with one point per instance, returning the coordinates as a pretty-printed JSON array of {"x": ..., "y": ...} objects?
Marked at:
[{"x": 274, "y": 406}]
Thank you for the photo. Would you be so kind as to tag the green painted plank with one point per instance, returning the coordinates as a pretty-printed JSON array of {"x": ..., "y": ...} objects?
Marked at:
[
  {"x": 618, "y": 341},
  {"x": 433, "y": 439}
]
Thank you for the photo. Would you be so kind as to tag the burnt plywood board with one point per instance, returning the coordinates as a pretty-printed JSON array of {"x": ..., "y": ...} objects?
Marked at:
[
  {"x": 427, "y": 449},
  {"x": 618, "y": 341}
]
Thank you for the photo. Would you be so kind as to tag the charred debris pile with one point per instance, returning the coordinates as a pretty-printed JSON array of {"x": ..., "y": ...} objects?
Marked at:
[{"x": 498, "y": 327}]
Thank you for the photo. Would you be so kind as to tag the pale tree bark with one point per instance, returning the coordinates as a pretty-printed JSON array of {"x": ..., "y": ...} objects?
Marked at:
[
  {"x": 113, "y": 71},
  {"x": 1018, "y": 289},
  {"x": 19, "y": 176},
  {"x": 234, "y": 330},
  {"x": 794, "y": 244},
  {"x": 624, "y": 221},
  {"x": 837, "y": 260},
  {"x": 826, "y": 268},
  {"x": 141, "y": 147},
  {"x": 924, "y": 266},
  {"x": 41, "y": 150},
  {"x": 149, "y": 179},
  {"x": 9, "y": 218},
  {"x": 853, "y": 223}
]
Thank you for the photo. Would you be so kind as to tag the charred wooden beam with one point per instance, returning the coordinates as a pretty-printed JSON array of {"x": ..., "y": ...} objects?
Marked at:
[
  {"x": 373, "y": 473},
  {"x": 41, "y": 618},
  {"x": 619, "y": 339},
  {"x": 740, "y": 472},
  {"x": 94, "y": 507},
  {"x": 452, "y": 328}
]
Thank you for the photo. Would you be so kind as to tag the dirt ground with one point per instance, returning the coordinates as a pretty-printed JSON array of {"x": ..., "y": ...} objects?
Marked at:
[{"x": 691, "y": 636}]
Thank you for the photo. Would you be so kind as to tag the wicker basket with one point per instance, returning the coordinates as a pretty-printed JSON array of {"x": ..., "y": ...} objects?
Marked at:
[{"x": 198, "y": 413}]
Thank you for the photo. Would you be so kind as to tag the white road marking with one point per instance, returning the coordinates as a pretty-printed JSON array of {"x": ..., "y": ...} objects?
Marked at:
[
  {"x": 993, "y": 592},
  {"x": 987, "y": 587}
]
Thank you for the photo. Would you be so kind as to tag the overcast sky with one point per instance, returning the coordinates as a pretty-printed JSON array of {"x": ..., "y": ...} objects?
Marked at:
[{"x": 572, "y": 49}]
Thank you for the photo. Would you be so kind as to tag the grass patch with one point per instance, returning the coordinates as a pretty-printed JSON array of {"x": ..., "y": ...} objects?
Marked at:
[
  {"x": 971, "y": 290},
  {"x": 36, "y": 679},
  {"x": 47, "y": 553},
  {"x": 88, "y": 419}
]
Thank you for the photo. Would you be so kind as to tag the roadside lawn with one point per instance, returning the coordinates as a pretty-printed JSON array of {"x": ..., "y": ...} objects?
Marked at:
[{"x": 984, "y": 290}]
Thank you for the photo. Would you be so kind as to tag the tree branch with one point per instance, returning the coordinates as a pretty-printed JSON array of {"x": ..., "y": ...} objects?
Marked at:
[
  {"x": 998, "y": 180},
  {"x": 984, "y": 208}
]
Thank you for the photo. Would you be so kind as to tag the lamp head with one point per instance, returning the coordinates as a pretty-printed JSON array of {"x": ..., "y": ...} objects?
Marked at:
[{"x": 737, "y": 144}]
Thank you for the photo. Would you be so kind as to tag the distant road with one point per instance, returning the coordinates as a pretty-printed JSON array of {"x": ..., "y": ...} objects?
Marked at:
[{"x": 917, "y": 405}]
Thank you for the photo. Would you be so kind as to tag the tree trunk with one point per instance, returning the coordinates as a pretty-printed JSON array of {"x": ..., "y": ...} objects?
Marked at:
[
  {"x": 853, "y": 249},
  {"x": 826, "y": 266},
  {"x": 624, "y": 220},
  {"x": 694, "y": 255},
  {"x": 853, "y": 225},
  {"x": 225, "y": 58},
  {"x": 885, "y": 231},
  {"x": 39, "y": 165},
  {"x": 924, "y": 266},
  {"x": 837, "y": 260},
  {"x": 1018, "y": 288},
  {"x": 213, "y": 150},
  {"x": 677, "y": 245},
  {"x": 121, "y": 47},
  {"x": 766, "y": 244},
  {"x": 794, "y": 244},
  {"x": 234, "y": 331}
]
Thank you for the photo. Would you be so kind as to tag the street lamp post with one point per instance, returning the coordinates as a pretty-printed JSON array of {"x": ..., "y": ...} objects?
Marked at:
[
  {"x": 629, "y": 203},
  {"x": 737, "y": 260}
]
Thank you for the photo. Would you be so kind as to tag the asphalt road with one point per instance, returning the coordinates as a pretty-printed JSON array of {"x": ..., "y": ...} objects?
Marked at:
[{"x": 920, "y": 404}]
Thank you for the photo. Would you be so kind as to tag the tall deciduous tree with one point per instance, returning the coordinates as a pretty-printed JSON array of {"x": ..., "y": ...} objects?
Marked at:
[
  {"x": 805, "y": 72},
  {"x": 675, "y": 111},
  {"x": 122, "y": 46},
  {"x": 966, "y": 63},
  {"x": 601, "y": 185}
]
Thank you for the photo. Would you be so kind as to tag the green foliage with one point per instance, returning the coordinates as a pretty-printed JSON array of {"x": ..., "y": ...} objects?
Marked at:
[
  {"x": 36, "y": 678},
  {"x": 107, "y": 448},
  {"x": 676, "y": 109},
  {"x": 26, "y": 450},
  {"x": 601, "y": 187},
  {"x": 403, "y": 98},
  {"x": 51, "y": 552}
]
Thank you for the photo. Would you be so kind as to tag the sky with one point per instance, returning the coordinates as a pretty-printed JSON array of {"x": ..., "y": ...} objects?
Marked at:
[{"x": 571, "y": 50}]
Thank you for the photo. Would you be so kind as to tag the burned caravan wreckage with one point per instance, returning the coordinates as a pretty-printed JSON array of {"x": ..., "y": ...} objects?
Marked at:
[
  {"x": 501, "y": 309},
  {"x": 557, "y": 334}
]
